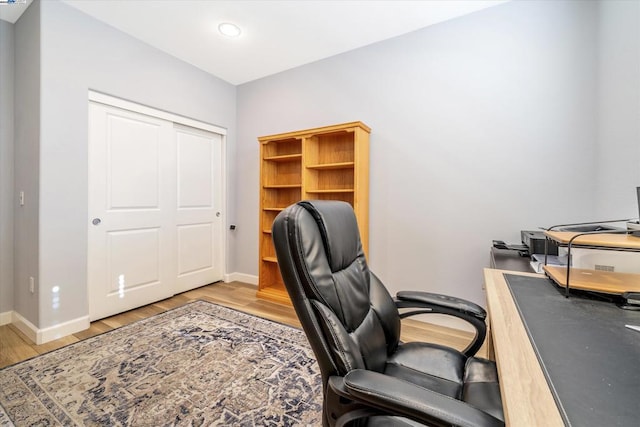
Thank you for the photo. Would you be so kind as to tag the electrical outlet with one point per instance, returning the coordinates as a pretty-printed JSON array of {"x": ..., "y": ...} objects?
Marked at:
[{"x": 32, "y": 285}]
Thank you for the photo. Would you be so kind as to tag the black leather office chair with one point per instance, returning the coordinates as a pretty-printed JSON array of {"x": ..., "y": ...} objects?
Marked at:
[{"x": 353, "y": 325}]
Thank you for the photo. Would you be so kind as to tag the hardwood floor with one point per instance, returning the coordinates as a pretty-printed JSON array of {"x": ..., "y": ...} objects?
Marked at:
[{"x": 16, "y": 347}]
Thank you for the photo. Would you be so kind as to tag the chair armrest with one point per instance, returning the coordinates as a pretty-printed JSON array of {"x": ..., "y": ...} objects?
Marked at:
[
  {"x": 430, "y": 303},
  {"x": 400, "y": 397},
  {"x": 443, "y": 301}
]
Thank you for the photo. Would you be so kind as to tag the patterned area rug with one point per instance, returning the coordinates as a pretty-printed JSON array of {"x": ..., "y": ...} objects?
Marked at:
[{"x": 197, "y": 365}]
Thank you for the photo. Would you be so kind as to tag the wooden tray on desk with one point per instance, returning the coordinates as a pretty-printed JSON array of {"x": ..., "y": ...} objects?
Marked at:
[
  {"x": 598, "y": 240},
  {"x": 595, "y": 280}
]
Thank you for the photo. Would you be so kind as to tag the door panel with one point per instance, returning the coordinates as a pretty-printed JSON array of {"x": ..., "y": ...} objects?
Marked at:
[
  {"x": 199, "y": 219},
  {"x": 195, "y": 171},
  {"x": 195, "y": 248},
  {"x": 129, "y": 195},
  {"x": 133, "y": 170},
  {"x": 126, "y": 268}
]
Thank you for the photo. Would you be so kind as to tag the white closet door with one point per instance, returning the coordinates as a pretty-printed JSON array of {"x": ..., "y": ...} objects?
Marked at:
[
  {"x": 153, "y": 199},
  {"x": 199, "y": 207}
]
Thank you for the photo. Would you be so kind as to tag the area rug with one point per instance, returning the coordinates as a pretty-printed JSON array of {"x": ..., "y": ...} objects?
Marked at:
[{"x": 197, "y": 365}]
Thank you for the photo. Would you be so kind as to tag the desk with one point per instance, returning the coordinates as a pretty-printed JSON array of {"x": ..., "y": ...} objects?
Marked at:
[
  {"x": 527, "y": 396},
  {"x": 522, "y": 381}
]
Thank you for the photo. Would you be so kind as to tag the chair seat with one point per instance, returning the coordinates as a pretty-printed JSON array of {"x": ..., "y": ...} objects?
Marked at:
[
  {"x": 445, "y": 370},
  {"x": 429, "y": 365}
]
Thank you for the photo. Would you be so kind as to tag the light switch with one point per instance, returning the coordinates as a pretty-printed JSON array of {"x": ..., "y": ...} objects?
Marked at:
[{"x": 21, "y": 198}]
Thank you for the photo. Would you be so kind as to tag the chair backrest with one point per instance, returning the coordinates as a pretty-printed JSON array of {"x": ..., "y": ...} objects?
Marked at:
[{"x": 350, "y": 319}]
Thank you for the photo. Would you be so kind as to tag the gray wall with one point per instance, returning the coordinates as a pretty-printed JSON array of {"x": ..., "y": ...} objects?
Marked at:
[
  {"x": 481, "y": 126},
  {"x": 80, "y": 53},
  {"x": 618, "y": 109},
  {"x": 6, "y": 165},
  {"x": 514, "y": 117},
  {"x": 27, "y": 160}
]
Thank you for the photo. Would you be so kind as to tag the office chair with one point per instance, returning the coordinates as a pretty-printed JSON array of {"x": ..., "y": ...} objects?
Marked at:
[{"x": 369, "y": 377}]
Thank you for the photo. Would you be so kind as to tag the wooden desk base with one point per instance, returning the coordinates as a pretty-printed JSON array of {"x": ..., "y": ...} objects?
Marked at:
[{"x": 526, "y": 396}]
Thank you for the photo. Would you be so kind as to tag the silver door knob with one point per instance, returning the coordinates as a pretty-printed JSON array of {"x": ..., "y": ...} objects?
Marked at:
[{"x": 96, "y": 221}]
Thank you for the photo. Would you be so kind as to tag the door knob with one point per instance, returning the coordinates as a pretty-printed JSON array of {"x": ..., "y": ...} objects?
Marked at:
[{"x": 96, "y": 221}]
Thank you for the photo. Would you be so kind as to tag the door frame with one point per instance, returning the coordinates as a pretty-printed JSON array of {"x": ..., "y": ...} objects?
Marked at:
[{"x": 112, "y": 101}]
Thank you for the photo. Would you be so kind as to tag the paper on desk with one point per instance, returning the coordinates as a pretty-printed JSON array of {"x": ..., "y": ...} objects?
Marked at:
[{"x": 537, "y": 261}]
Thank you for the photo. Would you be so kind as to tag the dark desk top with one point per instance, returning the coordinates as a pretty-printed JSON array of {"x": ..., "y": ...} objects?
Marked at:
[
  {"x": 504, "y": 259},
  {"x": 590, "y": 359}
]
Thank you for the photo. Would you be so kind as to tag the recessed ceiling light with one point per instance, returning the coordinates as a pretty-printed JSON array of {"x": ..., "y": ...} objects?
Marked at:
[{"x": 229, "y": 30}]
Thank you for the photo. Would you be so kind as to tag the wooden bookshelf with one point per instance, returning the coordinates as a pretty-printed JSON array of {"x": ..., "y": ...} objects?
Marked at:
[{"x": 327, "y": 163}]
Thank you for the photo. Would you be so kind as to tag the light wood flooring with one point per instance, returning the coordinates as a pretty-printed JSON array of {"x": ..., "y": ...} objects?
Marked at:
[{"x": 16, "y": 347}]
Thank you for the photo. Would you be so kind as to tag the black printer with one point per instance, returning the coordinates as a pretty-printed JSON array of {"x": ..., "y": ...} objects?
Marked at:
[{"x": 534, "y": 240}]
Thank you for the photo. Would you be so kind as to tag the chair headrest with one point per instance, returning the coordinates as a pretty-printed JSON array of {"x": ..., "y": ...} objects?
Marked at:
[{"x": 339, "y": 229}]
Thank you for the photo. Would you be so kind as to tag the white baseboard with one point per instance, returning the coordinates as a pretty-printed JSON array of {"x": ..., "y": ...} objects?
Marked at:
[
  {"x": 25, "y": 327},
  {"x": 241, "y": 277},
  {"x": 63, "y": 329},
  {"x": 6, "y": 317},
  {"x": 41, "y": 336}
]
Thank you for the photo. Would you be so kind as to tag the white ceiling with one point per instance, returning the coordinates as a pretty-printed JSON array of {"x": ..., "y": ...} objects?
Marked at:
[
  {"x": 276, "y": 35},
  {"x": 11, "y": 12}
]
